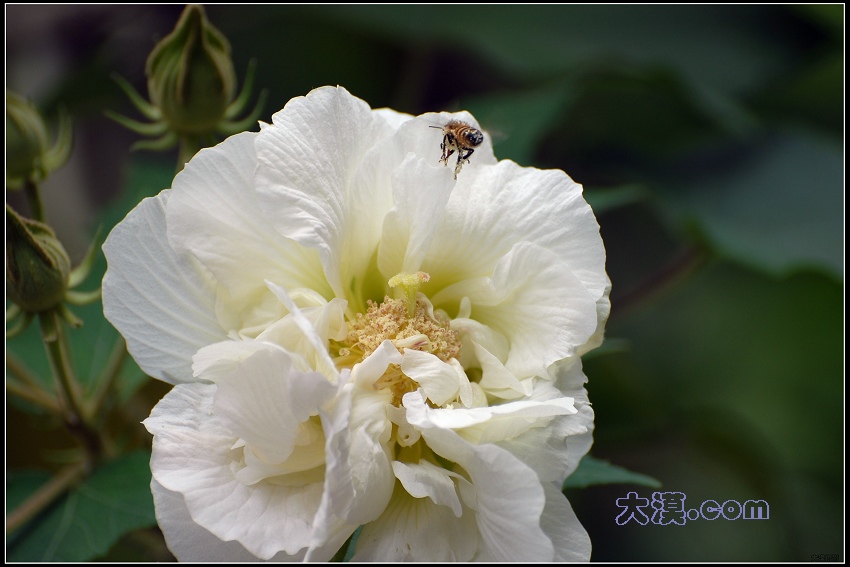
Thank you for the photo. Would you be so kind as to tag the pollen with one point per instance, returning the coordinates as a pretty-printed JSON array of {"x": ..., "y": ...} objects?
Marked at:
[{"x": 390, "y": 321}]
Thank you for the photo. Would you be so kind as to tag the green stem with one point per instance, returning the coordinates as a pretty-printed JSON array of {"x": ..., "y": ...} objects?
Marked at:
[
  {"x": 37, "y": 397},
  {"x": 189, "y": 146},
  {"x": 44, "y": 496},
  {"x": 56, "y": 344},
  {"x": 107, "y": 379},
  {"x": 34, "y": 200},
  {"x": 24, "y": 374}
]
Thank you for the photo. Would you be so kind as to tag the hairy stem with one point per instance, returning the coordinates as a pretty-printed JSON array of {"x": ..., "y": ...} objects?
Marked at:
[
  {"x": 34, "y": 200},
  {"x": 56, "y": 344}
]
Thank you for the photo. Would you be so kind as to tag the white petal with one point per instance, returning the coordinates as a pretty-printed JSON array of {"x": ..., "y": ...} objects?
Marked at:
[
  {"x": 330, "y": 527},
  {"x": 215, "y": 214},
  {"x": 495, "y": 343},
  {"x": 502, "y": 421},
  {"x": 321, "y": 358},
  {"x": 423, "y": 479},
  {"x": 161, "y": 301},
  {"x": 369, "y": 458},
  {"x": 214, "y": 362},
  {"x": 549, "y": 450},
  {"x": 561, "y": 525},
  {"x": 264, "y": 401},
  {"x": 393, "y": 117},
  {"x": 406, "y": 435},
  {"x": 498, "y": 206},
  {"x": 190, "y": 542},
  {"x": 536, "y": 302},
  {"x": 307, "y": 160},
  {"x": 416, "y": 529},
  {"x": 423, "y": 137},
  {"x": 506, "y": 495},
  {"x": 373, "y": 367},
  {"x": 497, "y": 380},
  {"x": 192, "y": 455},
  {"x": 440, "y": 381},
  {"x": 570, "y": 381},
  {"x": 359, "y": 479},
  {"x": 420, "y": 194},
  {"x": 603, "y": 309},
  {"x": 323, "y": 322}
]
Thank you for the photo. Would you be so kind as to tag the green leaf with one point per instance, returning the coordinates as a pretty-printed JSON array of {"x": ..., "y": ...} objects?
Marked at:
[
  {"x": 593, "y": 471},
  {"x": 20, "y": 485},
  {"x": 83, "y": 525},
  {"x": 779, "y": 207}
]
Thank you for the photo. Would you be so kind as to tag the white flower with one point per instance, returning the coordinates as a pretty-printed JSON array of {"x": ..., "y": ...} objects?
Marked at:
[{"x": 357, "y": 338}]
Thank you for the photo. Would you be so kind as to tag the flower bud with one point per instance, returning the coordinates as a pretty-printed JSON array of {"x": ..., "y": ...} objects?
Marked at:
[
  {"x": 191, "y": 78},
  {"x": 37, "y": 266},
  {"x": 26, "y": 137},
  {"x": 29, "y": 155}
]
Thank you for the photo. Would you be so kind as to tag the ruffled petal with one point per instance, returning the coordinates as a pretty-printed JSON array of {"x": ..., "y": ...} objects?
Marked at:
[
  {"x": 307, "y": 160},
  {"x": 498, "y": 206},
  {"x": 486, "y": 424},
  {"x": 313, "y": 335},
  {"x": 190, "y": 542},
  {"x": 440, "y": 381},
  {"x": 497, "y": 380},
  {"x": 420, "y": 194},
  {"x": 215, "y": 214},
  {"x": 265, "y": 402},
  {"x": 214, "y": 362},
  {"x": 369, "y": 459},
  {"x": 560, "y": 523},
  {"x": 331, "y": 526},
  {"x": 193, "y": 455},
  {"x": 506, "y": 495},
  {"x": 554, "y": 451},
  {"x": 367, "y": 372},
  {"x": 536, "y": 302},
  {"x": 416, "y": 529},
  {"x": 424, "y": 480},
  {"x": 162, "y": 302},
  {"x": 570, "y": 380}
]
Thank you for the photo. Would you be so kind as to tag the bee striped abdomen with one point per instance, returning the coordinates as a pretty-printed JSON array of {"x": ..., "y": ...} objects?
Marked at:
[{"x": 461, "y": 137}]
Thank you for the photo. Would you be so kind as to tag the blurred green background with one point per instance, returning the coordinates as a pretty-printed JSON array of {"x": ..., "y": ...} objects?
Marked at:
[{"x": 709, "y": 140}]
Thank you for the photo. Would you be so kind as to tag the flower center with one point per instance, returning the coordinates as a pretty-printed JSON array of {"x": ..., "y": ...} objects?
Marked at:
[{"x": 409, "y": 322}]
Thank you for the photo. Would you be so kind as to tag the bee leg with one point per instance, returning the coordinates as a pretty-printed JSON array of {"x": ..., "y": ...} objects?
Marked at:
[
  {"x": 444, "y": 158},
  {"x": 462, "y": 157}
]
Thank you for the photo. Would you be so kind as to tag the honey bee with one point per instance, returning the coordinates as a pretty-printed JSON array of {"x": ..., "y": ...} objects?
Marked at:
[{"x": 459, "y": 137}]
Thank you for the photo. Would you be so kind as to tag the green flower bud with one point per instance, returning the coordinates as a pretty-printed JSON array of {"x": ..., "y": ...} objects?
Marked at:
[
  {"x": 28, "y": 152},
  {"x": 37, "y": 266},
  {"x": 191, "y": 78},
  {"x": 26, "y": 138}
]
